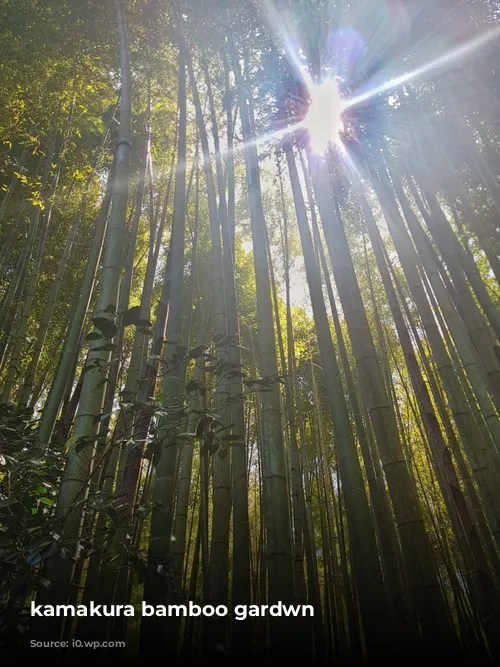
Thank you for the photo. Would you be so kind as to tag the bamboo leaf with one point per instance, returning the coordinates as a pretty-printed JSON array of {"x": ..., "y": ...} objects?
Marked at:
[
  {"x": 107, "y": 347},
  {"x": 232, "y": 438},
  {"x": 108, "y": 327},
  {"x": 131, "y": 316},
  {"x": 93, "y": 335}
]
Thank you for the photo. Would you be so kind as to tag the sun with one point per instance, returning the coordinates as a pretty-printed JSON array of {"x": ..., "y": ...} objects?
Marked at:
[{"x": 323, "y": 121}]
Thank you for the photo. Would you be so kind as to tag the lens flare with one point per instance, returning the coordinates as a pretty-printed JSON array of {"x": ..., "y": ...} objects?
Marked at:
[{"x": 323, "y": 121}]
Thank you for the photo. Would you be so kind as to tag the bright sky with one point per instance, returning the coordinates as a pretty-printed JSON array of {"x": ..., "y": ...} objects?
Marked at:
[{"x": 299, "y": 291}]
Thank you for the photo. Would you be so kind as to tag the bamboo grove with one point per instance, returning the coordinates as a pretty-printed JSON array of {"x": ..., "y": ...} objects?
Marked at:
[{"x": 234, "y": 371}]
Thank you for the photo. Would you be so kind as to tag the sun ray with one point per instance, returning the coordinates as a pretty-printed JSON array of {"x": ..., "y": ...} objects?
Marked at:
[
  {"x": 323, "y": 119},
  {"x": 265, "y": 138},
  {"x": 280, "y": 26},
  {"x": 444, "y": 60}
]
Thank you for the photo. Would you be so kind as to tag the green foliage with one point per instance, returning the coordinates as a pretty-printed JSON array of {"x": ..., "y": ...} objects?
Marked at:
[{"x": 29, "y": 479}]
